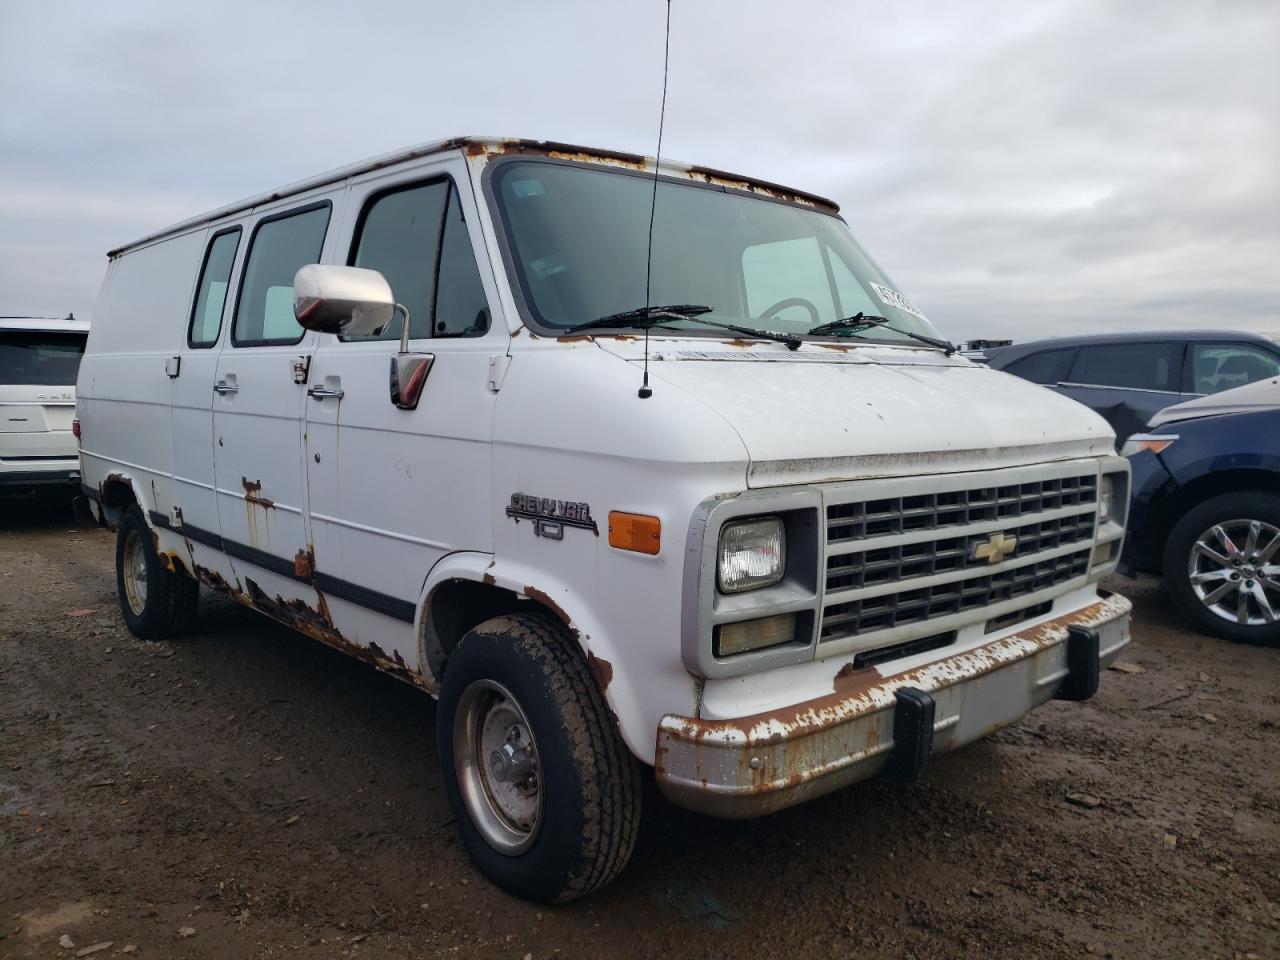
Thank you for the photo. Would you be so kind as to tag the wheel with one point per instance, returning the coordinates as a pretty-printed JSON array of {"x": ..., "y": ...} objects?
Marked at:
[
  {"x": 544, "y": 792},
  {"x": 155, "y": 602},
  {"x": 1222, "y": 567}
]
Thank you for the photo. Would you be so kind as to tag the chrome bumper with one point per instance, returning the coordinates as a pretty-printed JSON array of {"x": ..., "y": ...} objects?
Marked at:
[{"x": 755, "y": 765}]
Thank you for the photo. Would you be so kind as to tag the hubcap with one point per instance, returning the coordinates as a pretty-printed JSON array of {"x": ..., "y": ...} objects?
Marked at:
[
  {"x": 1235, "y": 571},
  {"x": 135, "y": 573},
  {"x": 496, "y": 760}
]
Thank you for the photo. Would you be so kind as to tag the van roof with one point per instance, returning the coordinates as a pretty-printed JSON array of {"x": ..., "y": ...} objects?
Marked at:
[
  {"x": 492, "y": 146},
  {"x": 68, "y": 324}
]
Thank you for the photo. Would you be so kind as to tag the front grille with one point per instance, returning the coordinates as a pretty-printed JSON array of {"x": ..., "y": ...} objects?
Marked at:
[{"x": 879, "y": 551}]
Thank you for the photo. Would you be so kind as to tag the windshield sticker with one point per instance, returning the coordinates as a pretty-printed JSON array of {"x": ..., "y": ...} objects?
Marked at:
[
  {"x": 894, "y": 299},
  {"x": 527, "y": 188}
]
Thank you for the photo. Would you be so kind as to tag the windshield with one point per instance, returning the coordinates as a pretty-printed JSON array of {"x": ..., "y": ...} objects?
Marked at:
[
  {"x": 40, "y": 359},
  {"x": 578, "y": 235}
]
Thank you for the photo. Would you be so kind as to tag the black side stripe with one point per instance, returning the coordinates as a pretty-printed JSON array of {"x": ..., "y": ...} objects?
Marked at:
[{"x": 382, "y": 603}]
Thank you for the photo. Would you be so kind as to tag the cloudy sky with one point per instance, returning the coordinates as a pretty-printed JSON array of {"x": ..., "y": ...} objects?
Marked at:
[{"x": 1020, "y": 168}]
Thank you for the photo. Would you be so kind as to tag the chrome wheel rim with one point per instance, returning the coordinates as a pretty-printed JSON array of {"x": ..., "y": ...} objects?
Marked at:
[
  {"x": 1234, "y": 570},
  {"x": 496, "y": 761},
  {"x": 135, "y": 573}
]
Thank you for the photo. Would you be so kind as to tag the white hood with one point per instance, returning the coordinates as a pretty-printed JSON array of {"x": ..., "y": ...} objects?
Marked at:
[{"x": 837, "y": 413}]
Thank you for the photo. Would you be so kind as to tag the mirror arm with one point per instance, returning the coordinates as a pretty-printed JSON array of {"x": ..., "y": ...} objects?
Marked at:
[{"x": 404, "y": 328}]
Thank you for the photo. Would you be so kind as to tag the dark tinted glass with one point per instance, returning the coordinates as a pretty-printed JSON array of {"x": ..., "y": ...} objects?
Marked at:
[
  {"x": 399, "y": 238},
  {"x": 1139, "y": 366},
  {"x": 1052, "y": 366},
  {"x": 461, "y": 307},
  {"x": 1220, "y": 366},
  {"x": 211, "y": 294},
  {"x": 264, "y": 313},
  {"x": 44, "y": 359}
]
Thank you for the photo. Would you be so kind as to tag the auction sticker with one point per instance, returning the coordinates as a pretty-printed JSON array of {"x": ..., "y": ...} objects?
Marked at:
[{"x": 894, "y": 299}]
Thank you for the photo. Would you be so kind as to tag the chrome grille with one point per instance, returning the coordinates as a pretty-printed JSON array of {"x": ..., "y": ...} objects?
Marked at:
[{"x": 909, "y": 558}]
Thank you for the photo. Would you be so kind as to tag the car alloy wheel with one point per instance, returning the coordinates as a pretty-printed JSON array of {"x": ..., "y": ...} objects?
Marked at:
[{"x": 1234, "y": 569}]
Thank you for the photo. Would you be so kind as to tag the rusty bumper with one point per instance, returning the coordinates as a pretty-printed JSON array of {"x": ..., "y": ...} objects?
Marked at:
[{"x": 754, "y": 765}]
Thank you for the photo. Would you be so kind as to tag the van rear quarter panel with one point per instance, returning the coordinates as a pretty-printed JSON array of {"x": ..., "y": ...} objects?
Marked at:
[{"x": 123, "y": 392}]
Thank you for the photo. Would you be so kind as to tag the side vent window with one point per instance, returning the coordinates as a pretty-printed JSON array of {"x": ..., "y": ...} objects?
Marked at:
[
  {"x": 280, "y": 245},
  {"x": 211, "y": 291}
]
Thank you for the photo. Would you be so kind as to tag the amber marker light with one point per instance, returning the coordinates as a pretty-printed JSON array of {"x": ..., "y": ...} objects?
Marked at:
[{"x": 635, "y": 532}]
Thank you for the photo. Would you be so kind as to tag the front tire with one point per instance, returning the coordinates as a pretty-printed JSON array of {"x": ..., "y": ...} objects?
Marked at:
[
  {"x": 545, "y": 794},
  {"x": 155, "y": 602},
  {"x": 1222, "y": 567}
]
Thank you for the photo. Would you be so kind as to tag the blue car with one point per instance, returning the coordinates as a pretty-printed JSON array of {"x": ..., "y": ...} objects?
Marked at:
[{"x": 1205, "y": 510}]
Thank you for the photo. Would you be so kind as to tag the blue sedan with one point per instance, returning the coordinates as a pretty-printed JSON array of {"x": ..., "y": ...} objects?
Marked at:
[{"x": 1205, "y": 513}]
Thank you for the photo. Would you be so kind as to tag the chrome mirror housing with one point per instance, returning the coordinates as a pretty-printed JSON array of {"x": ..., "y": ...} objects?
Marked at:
[{"x": 351, "y": 301}]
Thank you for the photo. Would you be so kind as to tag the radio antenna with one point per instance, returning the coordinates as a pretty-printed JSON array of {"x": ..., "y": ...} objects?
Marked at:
[{"x": 646, "y": 391}]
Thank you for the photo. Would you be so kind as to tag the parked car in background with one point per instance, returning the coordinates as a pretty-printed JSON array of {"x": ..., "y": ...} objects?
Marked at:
[
  {"x": 1129, "y": 377},
  {"x": 1206, "y": 510},
  {"x": 39, "y": 360}
]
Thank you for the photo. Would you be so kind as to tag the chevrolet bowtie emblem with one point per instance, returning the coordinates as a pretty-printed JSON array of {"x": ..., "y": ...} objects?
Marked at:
[{"x": 994, "y": 549}]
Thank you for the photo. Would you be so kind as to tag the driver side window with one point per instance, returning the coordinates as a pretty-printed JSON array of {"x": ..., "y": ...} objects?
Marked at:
[{"x": 783, "y": 277}]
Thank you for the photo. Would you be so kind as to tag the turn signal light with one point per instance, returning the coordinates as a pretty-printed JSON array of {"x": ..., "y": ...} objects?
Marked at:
[
  {"x": 750, "y": 635},
  {"x": 635, "y": 532}
]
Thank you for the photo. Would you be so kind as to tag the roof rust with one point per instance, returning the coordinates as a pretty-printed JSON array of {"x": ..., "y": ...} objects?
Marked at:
[{"x": 481, "y": 147}]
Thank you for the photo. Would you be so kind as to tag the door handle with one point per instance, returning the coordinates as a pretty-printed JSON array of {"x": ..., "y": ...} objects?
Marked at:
[
  {"x": 223, "y": 387},
  {"x": 321, "y": 392}
]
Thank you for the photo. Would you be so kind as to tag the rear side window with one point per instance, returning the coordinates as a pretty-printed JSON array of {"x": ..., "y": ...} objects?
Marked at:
[
  {"x": 40, "y": 359},
  {"x": 1051, "y": 366},
  {"x": 416, "y": 238},
  {"x": 1220, "y": 366},
  {"x": 280, "y": 246},
  {"x": 1134, "y": 366},
  {"x": 211, "y": 292}
]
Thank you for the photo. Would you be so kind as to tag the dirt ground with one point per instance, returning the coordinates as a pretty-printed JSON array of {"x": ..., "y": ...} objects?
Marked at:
[{"x": 250, "y": 793}]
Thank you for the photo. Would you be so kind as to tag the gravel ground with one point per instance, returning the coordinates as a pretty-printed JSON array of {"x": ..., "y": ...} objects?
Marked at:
[{"x": 248, "y": 792}]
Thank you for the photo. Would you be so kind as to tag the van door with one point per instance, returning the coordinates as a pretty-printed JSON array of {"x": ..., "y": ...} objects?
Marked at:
[
  {"x": 192, "y": 401},
  {"x": 391, "y": 491},
  {"x": 259, "y": 392}
]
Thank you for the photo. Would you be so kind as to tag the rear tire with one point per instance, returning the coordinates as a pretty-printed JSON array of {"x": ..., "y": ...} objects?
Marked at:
[
  {"x": 1222, "y": 567},
  {"x": 544, "y": 792},
  {"x": 156, "y": 603}
]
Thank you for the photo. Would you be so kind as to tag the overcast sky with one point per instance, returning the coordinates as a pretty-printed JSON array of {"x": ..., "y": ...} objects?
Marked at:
[{"x": 1020, "y": 169}]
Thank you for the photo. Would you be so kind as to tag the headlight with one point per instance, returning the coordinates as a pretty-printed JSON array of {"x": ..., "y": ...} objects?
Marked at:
[
  {"x": 753, "y": 554},
  {"x": 1156, "y": 443}
]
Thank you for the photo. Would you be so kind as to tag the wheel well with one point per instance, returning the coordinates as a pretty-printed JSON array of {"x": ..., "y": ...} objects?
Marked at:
[
  {"x": 457, "y": 606},
  {"x": 1203, "y": 488},
  {"x": 116, "y": 496}
]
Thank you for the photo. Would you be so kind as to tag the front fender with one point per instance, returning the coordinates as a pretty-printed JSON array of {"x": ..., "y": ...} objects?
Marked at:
[{"x": 621, "y": 674}]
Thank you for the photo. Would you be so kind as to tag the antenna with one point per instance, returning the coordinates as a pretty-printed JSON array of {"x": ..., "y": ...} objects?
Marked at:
[{"x": 646, "y": 391}]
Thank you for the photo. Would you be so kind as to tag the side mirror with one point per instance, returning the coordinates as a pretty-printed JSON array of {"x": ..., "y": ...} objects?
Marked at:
[{"x": 351, "y": 301}]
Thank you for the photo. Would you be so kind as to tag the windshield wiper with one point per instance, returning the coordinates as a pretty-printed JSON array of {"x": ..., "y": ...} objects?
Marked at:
[
  {"x": 643, "y": 317},
  {"x": 861, "y": 321},
  {"x": 655, "y": 317}
]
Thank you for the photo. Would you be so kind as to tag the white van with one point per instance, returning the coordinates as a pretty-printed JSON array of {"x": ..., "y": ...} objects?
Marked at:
[
  {"x": 767, "y": 537},
  {"x": 39, "y": 359}
]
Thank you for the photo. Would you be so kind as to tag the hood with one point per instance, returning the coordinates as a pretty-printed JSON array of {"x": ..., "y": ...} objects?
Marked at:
[
  {"x": 1252, "y": 397},
  {"x": 839, "y": 412}
]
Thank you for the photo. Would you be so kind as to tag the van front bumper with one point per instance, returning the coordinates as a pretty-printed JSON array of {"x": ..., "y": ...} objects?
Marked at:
[{"x": 755, "y": 765}]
